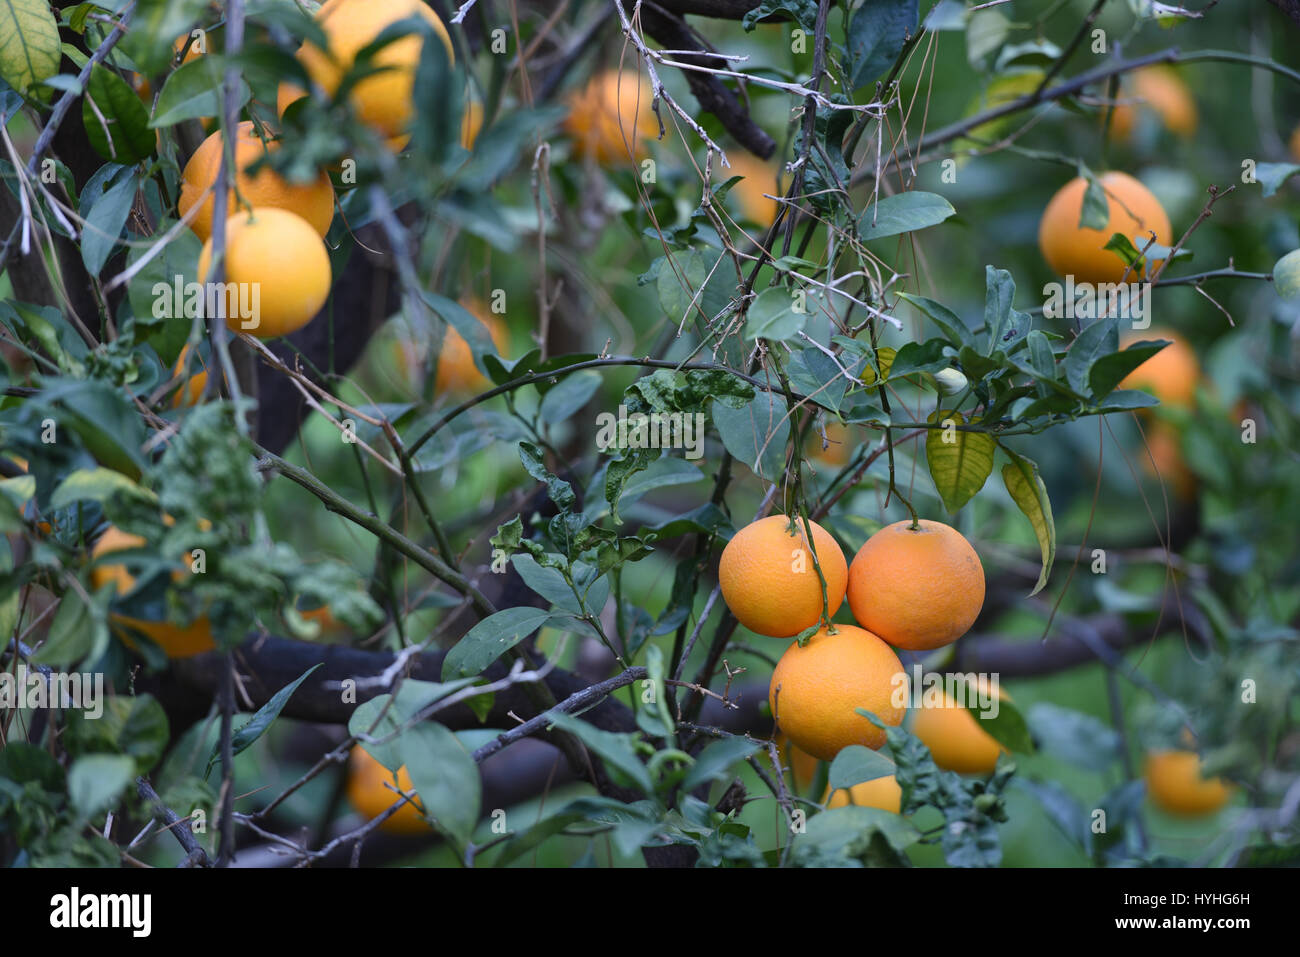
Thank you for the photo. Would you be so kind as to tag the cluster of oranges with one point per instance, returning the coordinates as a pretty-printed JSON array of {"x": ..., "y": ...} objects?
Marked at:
[{"x": 916, "y": 586}]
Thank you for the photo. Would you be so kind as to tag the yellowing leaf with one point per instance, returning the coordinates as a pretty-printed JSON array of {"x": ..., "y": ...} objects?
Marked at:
[
  {"x": 960, "y": 462},
  {"x": 29, "y": 43},
  {"x": 1026, "y": 489}
]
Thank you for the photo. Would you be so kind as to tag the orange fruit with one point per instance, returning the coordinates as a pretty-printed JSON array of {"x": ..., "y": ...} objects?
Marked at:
[
  {"x": 883, "y": 793},
  {"x": 919, "y": 588},
  {"x": 759, "y": 178},
  {"x": 817, "y": 687},
  {"x": 277, "y": 271},
  {"x": 1071, "y": 251},
  {"x": 1172, "y": 374},
  {"x": 178, "y": 641},
  {"x": 313, "y": 201},
  {"x": 1162, "y": 91},
  {"x": 955, "y": 738},
  {"x": 1175, "y": 784},
  {"x": 612, "y": 117},
  {"x": 769, "y": 580},
  {"x": 381, "y": 100},
  {"x": 456, "y": 369},
  {"x": 370, "y": 798},
  {"x": 191, "y": 390},
  {"x": 1295, "y": 144}
]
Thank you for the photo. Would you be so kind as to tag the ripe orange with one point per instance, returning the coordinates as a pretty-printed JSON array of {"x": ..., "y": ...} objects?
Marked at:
[
  {"x": 816, "y": 688},
  {"x": 1162, "y": 91},
  {"x": 177, "y": 641},
  {"x": 381, "y": 100},
  {"x": 883, "y": 793},
  {"x": 1295, "y": 144},
  {"x": 1071, "y": 251},
  {"x": 1175, "y": 784},
  {"x": 955, "y": 738},
  {"x": 1172, "y": 374},
  {"x": 313, "y": 201},
  {"x": 916, "y": 588},
  {"x": 191, "y": 390},
  {"x": 612, "y": 117},
  {"x": 279, "y": 257},
  {"x": 759, "y": 178},
  {"x": 370, "y": 798},
  {"x": 457, "y": 372},
  {"x": 769, "y": 580}
]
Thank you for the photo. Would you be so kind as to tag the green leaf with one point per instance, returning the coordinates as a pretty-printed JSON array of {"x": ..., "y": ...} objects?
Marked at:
[
  {"x": 491, "y": 638},
  {"x": 1095, "y": 212},
  {"x": 772, "y": 316},
  {"x": 1107, "y": 372},
  {"x": 567, "y": 398},
  {"x": 915, "y": 357},
  {"x": 948, "y": 322},
  {"x": 438, "y": 96},
  {"x": 445, "y": 777},
  {"x": 1008, "y": 727},
  {"x": 262, "y": 718},
  {"x": 105, "y": 212},
  {"x": 616, "y": 750},
  {"x": 856, "y": 764},
  {"x": 154, "y": 29},
  {"x": 986, "y": 31},
  {"x": 98, "y": 485},
  {"x": 1075, "y": 738},
  {"x": 77, "y": 630},
  {"x": 1271, "y": 176},
  {"x": 1026, "y": 488},
  {"x": 960, "y": 462},
  {"x": 560, "y": 492},
  {"x": 715, "y": 761},
  {"x": 134, "y": 725},
  {"x": 903, "y": 213},
  {"x": 96, "y": 781},
  {"x": 193, "y": 91},
  {"x": 756, "y": 435},
  {"x": 30, "y": 48},
  {"x": 876, "y": 35},
  {"x": 802, "y": 12},
  {"x": 816, "y": 375},
  {"x": 1096, "y": 340},
  {"x": 116, "y": 121},
  {"x": 464, "y": 322}
]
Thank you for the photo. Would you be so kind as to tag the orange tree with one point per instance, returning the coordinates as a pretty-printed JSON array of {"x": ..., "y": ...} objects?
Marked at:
[{"x": 872, "y": 281}]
